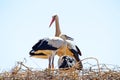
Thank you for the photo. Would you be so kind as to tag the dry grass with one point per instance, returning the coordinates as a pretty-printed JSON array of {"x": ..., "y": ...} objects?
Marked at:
[{"x": 92, "y": 72}]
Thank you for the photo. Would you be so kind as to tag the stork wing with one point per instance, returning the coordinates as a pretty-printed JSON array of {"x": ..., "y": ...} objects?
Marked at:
[
  {"x": 43, "y": 48},
  {"x": 75, "y": 54},
  {"x": 48, "y": 44}
]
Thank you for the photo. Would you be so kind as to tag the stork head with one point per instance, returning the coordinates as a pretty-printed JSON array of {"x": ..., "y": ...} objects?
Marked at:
[
  {"x": 65, "y": 37},
  {"x": 53, "y": 19}
]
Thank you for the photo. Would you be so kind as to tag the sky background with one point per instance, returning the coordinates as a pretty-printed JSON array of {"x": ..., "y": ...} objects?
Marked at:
[{"x": 94, "y": 25}]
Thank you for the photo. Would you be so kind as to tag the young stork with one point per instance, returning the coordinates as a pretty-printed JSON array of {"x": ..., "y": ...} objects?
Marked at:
[
  {"x": 66, "y": 62},
  {"x": 71, "y": 50}
]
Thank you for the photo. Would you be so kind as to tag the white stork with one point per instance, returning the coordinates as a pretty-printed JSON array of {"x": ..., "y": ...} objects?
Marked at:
[
  {"x": 71, "y": 50},
  {"x": 48, "y": 47}
]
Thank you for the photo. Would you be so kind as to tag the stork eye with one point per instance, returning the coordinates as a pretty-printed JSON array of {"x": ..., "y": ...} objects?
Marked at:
[
  {"x": 70, "y": 61},
  {"x": 54, "y": 16}
]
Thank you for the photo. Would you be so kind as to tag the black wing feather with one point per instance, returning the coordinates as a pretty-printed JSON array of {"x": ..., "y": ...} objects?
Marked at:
[
  {"x": 43, "y": 45},
  {"x": 78, "y": 50}
]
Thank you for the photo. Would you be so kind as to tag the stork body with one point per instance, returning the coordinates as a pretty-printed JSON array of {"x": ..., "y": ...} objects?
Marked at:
[{"x": 71, "y": 49}]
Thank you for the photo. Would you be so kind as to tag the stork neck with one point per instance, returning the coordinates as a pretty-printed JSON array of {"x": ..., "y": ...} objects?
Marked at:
[{"x": 58, "y": 31}]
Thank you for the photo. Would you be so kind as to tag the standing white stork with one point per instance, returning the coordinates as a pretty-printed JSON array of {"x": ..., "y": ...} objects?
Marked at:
[
  {"x": 50, "y": 46},
  {"x": 71, "y": 50}
]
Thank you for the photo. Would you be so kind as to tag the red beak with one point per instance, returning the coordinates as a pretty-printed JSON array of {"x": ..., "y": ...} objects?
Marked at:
[{"x": 53, "y": 19}]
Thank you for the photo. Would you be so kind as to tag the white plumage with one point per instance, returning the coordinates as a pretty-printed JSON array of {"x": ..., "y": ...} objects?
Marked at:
[{"x": 56, "y": 42}]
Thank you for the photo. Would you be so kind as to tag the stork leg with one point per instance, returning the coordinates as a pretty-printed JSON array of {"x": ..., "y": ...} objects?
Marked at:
[
  {"x": 52, "y": 63},
  {"x": 49, "y": 65}
]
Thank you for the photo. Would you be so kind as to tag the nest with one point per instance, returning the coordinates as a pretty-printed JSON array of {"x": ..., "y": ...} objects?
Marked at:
[{"x": 92, "y": 72}]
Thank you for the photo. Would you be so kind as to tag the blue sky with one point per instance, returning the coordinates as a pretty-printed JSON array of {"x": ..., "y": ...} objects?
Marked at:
[{"x": 94, "y": 25}]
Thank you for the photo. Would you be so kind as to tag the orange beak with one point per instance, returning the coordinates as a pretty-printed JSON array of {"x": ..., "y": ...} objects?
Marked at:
[{"x": 53, "y": 19}]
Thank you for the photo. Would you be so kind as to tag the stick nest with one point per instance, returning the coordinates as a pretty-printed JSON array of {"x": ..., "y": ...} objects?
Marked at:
[{"x": 89, "y": 72}]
